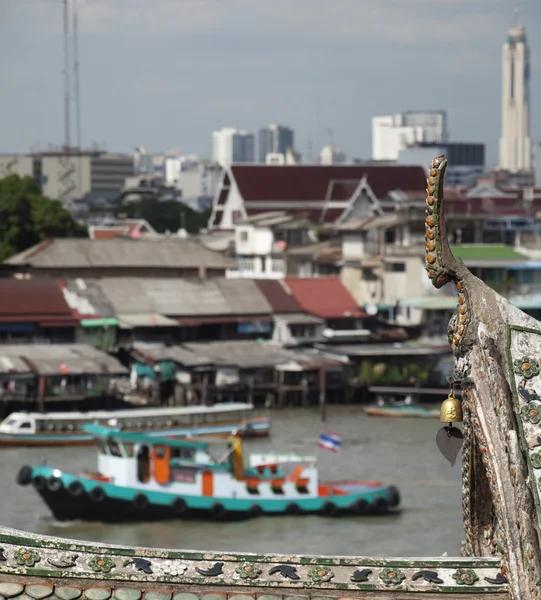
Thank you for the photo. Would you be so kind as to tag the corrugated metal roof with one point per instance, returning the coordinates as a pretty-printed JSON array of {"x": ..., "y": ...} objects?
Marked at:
[
  {"x": 300, "y": 319},
  {"x": 145, "y": 320},
  {"x": 55, "y": 359},
  {"x": 12, "y": 365},
  {"x": 366, "y": 223},
  {"x": 178, "y": 354},
  {"x": 243, "y": 354},
  {"x": 324, "y": 297},
  {"x": 33, "y": 300},
  {"x": 86, "y": 298},
  {"x": 185, "y": 297},
  {"x": 161, "y": 252}
]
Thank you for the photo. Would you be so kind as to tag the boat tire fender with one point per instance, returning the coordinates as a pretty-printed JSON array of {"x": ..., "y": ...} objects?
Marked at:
[
  {"x": 24, "y": 476},
  {"x": 292, "y": 509},
  {"x": 179, "y": 506},
  {"x": 39, "y": 482},
  {"x": 218, "y": 511},
  {"x": 329, "y": 509},
  {"x": 140, "y": 502},
  {"x": 255, "y": 510},
  {"x": 394, "y": 496},
  {"x": 361, "y": 507},
  {"x": 97, "y": 494},
  {"x": 54, "y": 483},
  {"x": 75, "y": 488},
  {"x": 381, "y": 505}
]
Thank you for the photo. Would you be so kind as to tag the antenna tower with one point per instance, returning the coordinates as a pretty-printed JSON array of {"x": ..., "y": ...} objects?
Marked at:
[
  {"x": 516, "y": 12},
  {"x": 66, "y": 81},
  {"x": 76, "y": 78}
]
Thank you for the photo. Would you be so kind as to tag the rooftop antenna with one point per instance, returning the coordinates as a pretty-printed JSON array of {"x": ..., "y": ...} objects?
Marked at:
[
  {"x": 76, "y": 77},
  {"x": 66, "y": 81},
  {"x": 77, "y": 96},
  {"x": 516, "y": 12}
]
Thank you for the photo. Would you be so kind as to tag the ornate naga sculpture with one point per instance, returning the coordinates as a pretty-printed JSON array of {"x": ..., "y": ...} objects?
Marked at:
[{"x": 498, "y": 350}]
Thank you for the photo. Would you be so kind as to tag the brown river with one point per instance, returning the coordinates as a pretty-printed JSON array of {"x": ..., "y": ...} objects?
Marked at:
[{"x": 399, "y": 451}]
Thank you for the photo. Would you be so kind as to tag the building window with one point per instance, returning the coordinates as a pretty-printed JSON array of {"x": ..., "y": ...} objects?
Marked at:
[
  {"x": 246, "y": 264},
  {"x": 243, "y": 236},
  {"x": 236, "y": 216},
  {"x": 277, "y": 265},
  {"x": 395, "y": 267}
]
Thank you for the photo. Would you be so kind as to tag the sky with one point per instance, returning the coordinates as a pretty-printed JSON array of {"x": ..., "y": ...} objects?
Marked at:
[{"x": 166, "y": 73}]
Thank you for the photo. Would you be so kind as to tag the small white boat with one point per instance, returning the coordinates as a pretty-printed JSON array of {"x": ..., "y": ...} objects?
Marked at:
[{"x": 67, "y": 428}]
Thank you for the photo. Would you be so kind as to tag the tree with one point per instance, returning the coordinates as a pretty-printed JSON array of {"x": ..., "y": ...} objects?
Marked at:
[
  {"x": 165, "y": 215},
  {"x": 27, "y": 217}
]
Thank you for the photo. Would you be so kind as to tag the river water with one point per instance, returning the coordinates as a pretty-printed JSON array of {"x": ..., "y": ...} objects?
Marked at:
[{"x": 399, "y": 451}]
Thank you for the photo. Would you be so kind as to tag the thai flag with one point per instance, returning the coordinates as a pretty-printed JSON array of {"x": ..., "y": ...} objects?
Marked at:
[{"x": 330, "y": 441}]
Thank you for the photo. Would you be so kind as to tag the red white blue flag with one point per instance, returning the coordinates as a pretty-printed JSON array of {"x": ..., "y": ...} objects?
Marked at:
[{"x": 330, "y": 441}]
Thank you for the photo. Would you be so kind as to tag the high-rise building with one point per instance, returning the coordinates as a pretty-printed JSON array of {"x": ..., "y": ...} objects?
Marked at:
[
  {"x": 331, "y": 155},
  {"x": 275, "y": 139},
  {"x": 393, "y": 133},
  {"x": 515, "y": 141},
  {"x": 230, "y": 145}
]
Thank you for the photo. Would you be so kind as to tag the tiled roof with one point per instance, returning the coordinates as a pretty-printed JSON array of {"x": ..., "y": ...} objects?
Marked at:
[
  {"x": 159, "y": 252},
  {"x": 34, "y": 300},
  {"x": 320, "y": 182},
  {"x": 324, "y": 297},
  {"x": 128, "y": 227},
  {"x": 279, "y": 296}
]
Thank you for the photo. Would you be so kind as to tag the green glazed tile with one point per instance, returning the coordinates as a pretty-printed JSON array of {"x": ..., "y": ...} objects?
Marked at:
[
  {"x": 9, "y": 590},
  {"x": 213, "y": 597},
  {"x": 268, "y": 597},
  {"x": 39, "y": 591},
  {"x": 127, "y": 594},
  {"x": 158, "y": 596},
  {"x": 241, "y": 597},
  {"x": 98, "y": 593},
  {"x": 68, "y": 593},
  {"x": 182, "y": 596}
]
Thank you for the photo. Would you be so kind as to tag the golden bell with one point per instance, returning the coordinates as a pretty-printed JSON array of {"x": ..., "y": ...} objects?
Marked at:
[{"x": 451, "y": 410}]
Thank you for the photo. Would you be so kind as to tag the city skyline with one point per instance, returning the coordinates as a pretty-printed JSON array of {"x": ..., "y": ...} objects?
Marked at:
[{"x": 197, "y": 66}]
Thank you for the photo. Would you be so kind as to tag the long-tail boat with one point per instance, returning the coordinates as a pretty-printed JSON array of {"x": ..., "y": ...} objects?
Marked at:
[{"x": 497, "y": 350}]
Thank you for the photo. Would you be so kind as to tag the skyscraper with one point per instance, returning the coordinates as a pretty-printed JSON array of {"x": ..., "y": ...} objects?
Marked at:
[
  {"x": 515, "y": 142},
  {"x": 229, "y": 145},
  {"x": 274, "y": 139}
]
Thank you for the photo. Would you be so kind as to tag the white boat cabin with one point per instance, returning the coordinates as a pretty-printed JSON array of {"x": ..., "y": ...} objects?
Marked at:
[{"x": 187, "y": 468}]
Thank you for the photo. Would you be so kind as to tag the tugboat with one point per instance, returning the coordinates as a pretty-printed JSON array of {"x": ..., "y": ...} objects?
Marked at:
[{"x": 143, "y": 478}]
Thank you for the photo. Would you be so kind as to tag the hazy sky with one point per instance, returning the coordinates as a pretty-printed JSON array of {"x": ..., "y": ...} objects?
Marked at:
[{"x": 165, "y": 73}]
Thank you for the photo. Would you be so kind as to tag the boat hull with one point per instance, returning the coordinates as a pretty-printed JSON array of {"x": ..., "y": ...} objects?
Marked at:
[
  {"x": 111, "y": 503},
  {"x": 402, "y": 412},
  {"x": 257, "y": 427}
]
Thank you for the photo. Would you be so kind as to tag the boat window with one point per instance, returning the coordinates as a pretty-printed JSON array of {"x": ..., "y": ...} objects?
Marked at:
[
  {"x": 143, "y": 464},
  {"x": 129, "y": 449},
  {"x": 10, "y": 422},
  {"x": 252, "y": 489},
  {"x": 183, "y": 475},
  {"x": 114, "y": 447},
  {"x": 102, "y": 448},
  {"x": 277, "y": 489},
  {"x": 302, "y": 486},
  {"x": 183, "y": 453},
  {"x": 160, "y": 452},
  {"x": 25, "y": 425}
]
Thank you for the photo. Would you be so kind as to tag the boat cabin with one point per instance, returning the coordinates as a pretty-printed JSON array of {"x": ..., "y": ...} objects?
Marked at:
[{"x": 187, "y": 468}]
